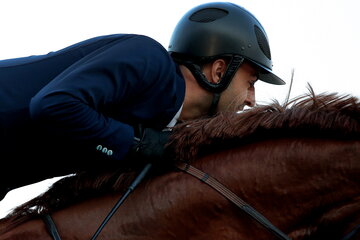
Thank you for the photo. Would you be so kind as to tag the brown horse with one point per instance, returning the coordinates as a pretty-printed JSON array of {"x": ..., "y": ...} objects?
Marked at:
[{"x": 298, "y": 164}]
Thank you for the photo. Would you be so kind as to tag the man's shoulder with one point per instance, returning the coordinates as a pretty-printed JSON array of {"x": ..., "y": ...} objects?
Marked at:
[
  {"x": 128, "y": 37},
  {"x": 134, "y": 46},
  {"x": 140, "y": 42}
]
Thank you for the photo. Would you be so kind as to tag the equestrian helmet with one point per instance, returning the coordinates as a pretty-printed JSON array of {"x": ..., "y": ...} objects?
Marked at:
[{"x": 223, "y": 29}]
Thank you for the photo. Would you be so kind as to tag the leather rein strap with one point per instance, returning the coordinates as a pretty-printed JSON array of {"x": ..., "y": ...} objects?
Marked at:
[
  {"x": 51, "y": 227},
  {"x": 212, "y": 182},
  {"x": 232, "y": 197}
]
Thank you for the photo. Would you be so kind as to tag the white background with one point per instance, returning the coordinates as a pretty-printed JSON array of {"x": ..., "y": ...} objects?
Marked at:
[{"x": 320, "y": 39}]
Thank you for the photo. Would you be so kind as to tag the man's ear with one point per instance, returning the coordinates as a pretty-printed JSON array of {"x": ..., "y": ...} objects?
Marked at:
[{"x": 217, "y": 70}]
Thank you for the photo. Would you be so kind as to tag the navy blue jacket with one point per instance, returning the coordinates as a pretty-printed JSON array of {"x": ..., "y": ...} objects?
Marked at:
[{"x": 82, "y": 101}]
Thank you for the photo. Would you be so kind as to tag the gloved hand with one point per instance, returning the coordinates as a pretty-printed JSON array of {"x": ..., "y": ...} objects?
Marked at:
[{"x": 150, "y": 145}]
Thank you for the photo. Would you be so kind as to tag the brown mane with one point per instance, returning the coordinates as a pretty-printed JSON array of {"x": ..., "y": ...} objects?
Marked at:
[
  {"x": 70, "y": 190},
  {"x": 309, "y": 115}
]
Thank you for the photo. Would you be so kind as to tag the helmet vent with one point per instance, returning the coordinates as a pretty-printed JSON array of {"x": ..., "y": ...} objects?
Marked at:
[
  {"x": 262, "y": 41},
  {"x": 208, "y": 15}
]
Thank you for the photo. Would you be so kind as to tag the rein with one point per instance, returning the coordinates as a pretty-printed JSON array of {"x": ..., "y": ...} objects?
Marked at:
[
  {"x": 204, "y": 177},
  {"x": 209, "y": 180},
  {"x": 51, "y": 227},
  {"x": 232, "y": 197}
]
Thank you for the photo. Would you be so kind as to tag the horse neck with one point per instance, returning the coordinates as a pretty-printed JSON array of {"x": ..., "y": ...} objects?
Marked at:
[
  {"x": 293, "y": 181},
  {"x": 289, "y": 181},
  {"x": 34, "y": 229}
]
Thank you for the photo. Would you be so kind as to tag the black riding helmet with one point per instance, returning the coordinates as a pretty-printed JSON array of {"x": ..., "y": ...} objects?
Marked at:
[{"x": 219, "y": 29}]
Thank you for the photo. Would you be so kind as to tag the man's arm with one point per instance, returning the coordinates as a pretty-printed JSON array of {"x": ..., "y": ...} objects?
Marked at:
[{"x": 83, "y": 102}]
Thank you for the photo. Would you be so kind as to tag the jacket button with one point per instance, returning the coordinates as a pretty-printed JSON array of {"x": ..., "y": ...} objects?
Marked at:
[{"x": 104, "y": 150}]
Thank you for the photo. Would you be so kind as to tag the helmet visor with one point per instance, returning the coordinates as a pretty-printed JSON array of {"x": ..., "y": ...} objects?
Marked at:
[
  {"x": 266, "y": 75},
  {"x": 269, "y": 77}
]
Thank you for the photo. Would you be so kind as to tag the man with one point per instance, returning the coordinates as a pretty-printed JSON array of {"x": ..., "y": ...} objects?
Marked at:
[{"x": 81, "y": 107}]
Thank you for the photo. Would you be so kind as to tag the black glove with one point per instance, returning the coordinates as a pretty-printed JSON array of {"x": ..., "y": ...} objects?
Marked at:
[{"x": 150, "y": 145}]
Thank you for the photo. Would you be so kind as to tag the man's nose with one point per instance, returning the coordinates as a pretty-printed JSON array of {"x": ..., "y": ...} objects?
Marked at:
[{"x": 250, "y": 98}]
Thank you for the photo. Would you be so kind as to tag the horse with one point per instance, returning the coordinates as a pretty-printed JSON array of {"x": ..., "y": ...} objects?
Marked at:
[{"x": 296, "y": 163}]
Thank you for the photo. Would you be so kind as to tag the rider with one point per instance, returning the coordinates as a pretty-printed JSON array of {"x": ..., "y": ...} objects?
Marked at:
[{"x": 81, "y": 107}]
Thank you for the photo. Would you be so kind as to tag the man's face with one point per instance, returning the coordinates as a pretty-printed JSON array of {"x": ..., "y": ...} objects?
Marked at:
[{"x": 241, "y": 90}]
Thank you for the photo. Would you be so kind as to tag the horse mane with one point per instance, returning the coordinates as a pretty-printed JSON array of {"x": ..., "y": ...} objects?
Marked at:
[
  {"x": 307, "y": 115},
  {"x": 71, "y": 190}
]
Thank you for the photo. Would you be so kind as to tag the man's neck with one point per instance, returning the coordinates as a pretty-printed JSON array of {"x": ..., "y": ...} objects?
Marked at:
[{"x": 197, "y": 100}]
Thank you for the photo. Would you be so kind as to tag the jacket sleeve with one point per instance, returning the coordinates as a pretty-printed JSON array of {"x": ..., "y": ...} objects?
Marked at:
[{"x": 80, "y": 103}]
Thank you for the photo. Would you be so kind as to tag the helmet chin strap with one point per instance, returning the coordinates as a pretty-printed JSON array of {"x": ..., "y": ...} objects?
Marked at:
[
  {"x": 214, "y": 104},
  {"x": 218, "y": 88}
]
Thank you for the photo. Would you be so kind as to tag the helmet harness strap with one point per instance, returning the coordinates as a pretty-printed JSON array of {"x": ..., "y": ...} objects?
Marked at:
[{"x": 216, "y": 88}]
